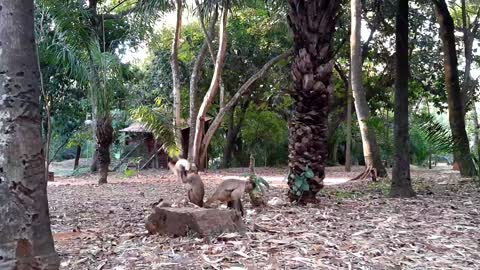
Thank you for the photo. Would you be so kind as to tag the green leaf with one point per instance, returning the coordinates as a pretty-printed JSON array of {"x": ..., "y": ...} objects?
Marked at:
[
  {"x": 309, "y": 173},
  {"x": 305, "y": 187}
]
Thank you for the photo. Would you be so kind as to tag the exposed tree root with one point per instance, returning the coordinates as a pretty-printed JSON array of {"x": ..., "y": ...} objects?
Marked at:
[{"x": 369, "y": 172}]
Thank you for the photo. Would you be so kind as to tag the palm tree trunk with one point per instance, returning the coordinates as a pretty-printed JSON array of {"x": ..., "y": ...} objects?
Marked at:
[
  {"x": 456, "y": 110},
  {"x": 369, "y": 140},
  {"x": 313, "y": 26},
  {"x": 26, "y": 240},
  {"x": 401, "y": 181},
  {"x": 177, "y": 100},
  {"x": 104, "y": 132}
]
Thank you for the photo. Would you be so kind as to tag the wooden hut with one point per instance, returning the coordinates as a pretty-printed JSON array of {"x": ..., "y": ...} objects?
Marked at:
[{"x": 144, "y": 146}]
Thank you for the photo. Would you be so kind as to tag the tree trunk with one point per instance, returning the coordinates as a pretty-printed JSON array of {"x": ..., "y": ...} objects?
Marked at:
[
  {"x": 476, "y": 132},
  {"x": 401, "y": 181},
  {"x": 104, "y": 136},
  {"x": 196, "y": 74},
  {"x": 212, "y": 90},
  {"x": 369, "y": 140},
  {"x": 232, "y": 133},
  {"x": 456, "y": 111},
  {"x": 348, "y": 147},
  {"x": 26, "y": 240},
  {"x": 94, "y": 165},
  {"x": 243, "y": 89},
  {"x": 77, "y": 157},
  {"x": 313, "y": 26},
  {"x": 177, "y": 101}
]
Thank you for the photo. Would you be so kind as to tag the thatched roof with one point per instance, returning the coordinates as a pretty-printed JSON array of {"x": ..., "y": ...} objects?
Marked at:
[{"x": 136, "y": 128}]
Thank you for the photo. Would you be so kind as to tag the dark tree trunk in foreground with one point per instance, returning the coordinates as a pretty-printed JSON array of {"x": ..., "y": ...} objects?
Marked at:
[
  {"x": 313, "y": 26},
  {"x": 104, "y": 132},
  {"x": 401, "y": 181},
  {"x": 371, "y": 151},
  {"x": 26, "y": 240},
  {"x": 456, "y": 109},
  {"x": 77, "y": 157}
]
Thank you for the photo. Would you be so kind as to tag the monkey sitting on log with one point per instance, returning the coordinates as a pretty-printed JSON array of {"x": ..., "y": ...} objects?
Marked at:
[
  {"x": 231, "y": 192},
  {"x": 196, "y": 190}
]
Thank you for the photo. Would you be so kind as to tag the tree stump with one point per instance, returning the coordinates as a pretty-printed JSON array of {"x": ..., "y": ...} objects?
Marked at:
[{"x": 202, "y": 221}]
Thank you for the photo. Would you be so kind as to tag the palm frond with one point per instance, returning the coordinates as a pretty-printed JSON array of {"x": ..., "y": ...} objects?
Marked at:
[
  {"x": 160, "y": 122},
  {"x": 437, "y": 135}
]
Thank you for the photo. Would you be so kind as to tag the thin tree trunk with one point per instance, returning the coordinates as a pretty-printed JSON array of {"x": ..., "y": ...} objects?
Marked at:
[
  {"x": 177, "y": 101},
  {"x": 348, "y": 148},
  {"x": 199, "y": 153},
  {"x": 26, "y": 240},
  {"x": 243, "y": 89},
  {"x": 456, "y": 111},
  {"x": 476, "y": 132},
  {"x": 369, "y": 141},
  {"x": 77, "y": 157},
  {"x": 196, "y": 74},
  {"x": 401, "y": 180},
  {"x": 232, "y": 133},
  {"x": 313, "y": 26}
]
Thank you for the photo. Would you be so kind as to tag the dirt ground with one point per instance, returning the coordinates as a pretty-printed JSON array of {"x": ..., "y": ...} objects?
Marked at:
[{"x": 355, "y": 225}]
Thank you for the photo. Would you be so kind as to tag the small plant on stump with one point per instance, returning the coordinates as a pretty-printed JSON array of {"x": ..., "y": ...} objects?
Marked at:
[{"x": 261, "y": 185}]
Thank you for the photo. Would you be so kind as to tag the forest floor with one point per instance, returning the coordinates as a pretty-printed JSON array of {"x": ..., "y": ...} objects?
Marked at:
[{"x": 355, "y": 225}]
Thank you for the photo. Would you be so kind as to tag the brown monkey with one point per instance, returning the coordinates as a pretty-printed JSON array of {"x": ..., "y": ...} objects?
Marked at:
[
  {"x": 196, "y": 190},
  {"x": 231, "y": 192}
]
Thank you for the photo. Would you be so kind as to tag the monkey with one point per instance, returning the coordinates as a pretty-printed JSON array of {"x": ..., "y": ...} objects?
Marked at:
[
  {"x": 196, "y": 189},
  {"x": 231, "y": 192}
]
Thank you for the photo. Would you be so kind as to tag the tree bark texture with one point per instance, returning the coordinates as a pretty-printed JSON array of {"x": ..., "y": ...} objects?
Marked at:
[
  {"x": 196, "y": 75},
  {"x": 369, "y": 140},
  {"x": 456, "y": 110},
  {"x": 177, "y": 99},
  {"x": 209, "y": 97},
  {"x": 104, "y": 135},
  {"x": 313, "y": 27},
  {"x": 233, "y": 101},
  {"x": 401, "y": 180},
  {"x": 26, "y": 240}
]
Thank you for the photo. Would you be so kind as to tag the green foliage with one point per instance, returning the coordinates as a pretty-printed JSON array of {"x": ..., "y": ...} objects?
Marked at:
[
  {"x": 261, "y": 185},
  {"x": 300, "y": 184}
]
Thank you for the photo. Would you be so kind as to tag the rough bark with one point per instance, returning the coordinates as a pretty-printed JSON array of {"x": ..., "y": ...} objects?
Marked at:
[
  {"x": 313, "y": 26},
  {"x": 212, "y": 90},
  {"x": 456, "y": 110},
  {"x": 104, "y": 136},
  {"x": 348, "y": 130},
  {"x": 401, "y": 180},
  {"x": 243, "y": 89},
  {"x": 369, "y": 141},
  {"x": 77, "y": 157},
  {"x": 177, "y": 101},
  {"x": 194, "y": 79},
  {"x": 26, "y": 240}
]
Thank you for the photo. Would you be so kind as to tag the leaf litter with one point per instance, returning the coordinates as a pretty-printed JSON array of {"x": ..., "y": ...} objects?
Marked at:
[{"x": 355, "y": 225}]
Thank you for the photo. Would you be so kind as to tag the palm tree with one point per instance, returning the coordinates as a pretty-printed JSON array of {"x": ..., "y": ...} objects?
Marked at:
[
  {"x": 313, "y": 26},
  {"x": 26, "y": 240}
]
